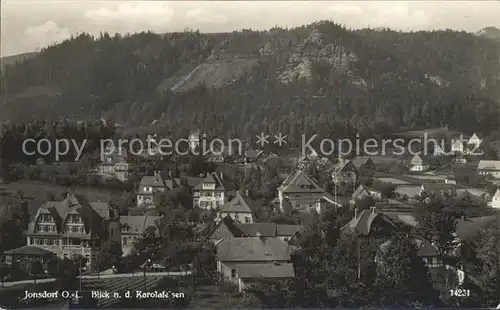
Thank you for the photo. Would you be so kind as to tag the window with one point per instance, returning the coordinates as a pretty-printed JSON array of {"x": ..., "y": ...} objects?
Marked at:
[
  {"x": 233, "y": 273},
  {"x": 45, "y": 241},
  {"x": 247, "y": 219},
  {"x": 217, "y": 194},
  {"x": 74, "y": 229},
  {"x": 55, "y": 242},
  {"x": 124, "y": 240},
  {"x": 286, "y": 239},
  {"x": 237, "y": 216},
  {"x": 38, "y": 241},
  {"x": 112, "y": 232}
]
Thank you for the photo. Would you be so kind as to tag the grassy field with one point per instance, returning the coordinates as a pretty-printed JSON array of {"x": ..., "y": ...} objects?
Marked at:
[{"x": 36, "y": 193}]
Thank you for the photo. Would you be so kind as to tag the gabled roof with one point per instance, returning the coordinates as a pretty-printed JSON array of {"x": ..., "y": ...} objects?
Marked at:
[
  {"x": 252, "y": 153},
  {"x": 74, "y": 204},
  {"x": 361, "y": 225},
  {"x": 361, "y": 161},
  {"x": 489, "y": 165},
  {"x": 424, "y": 248},
  {"x": 252, "y": 249},
  {"x": 137, "y": 224},
  {"x": 211, "y": 178},
  {"x": 360, "y": 190},
  {"x": 240, "y": 230},
  {"x": 497, "y": 194},
  {"x": 300, "y": 183},
  {"x": 237, "y": 204},
  {"x": 29, "y": 250},
  {"x": 341, "y": 165},
  {"x": 438, "y": 187},
  {"x": 268, "y": 270},
  {"x": 416, "y": 158}
]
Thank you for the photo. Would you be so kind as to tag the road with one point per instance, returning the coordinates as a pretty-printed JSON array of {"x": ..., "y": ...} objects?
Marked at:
[{"x": 108, "y": 276}]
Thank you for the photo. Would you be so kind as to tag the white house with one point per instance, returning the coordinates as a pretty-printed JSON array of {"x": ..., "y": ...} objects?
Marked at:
[
  {"x": 495, "y": 201},
  {"x": 475, "y": 140},
  {"x": 238, "y": 209},
  {"x": 489, "y": 167},
  {"x": 194, "y": 140},
  {"x": 417, "y": 164}
]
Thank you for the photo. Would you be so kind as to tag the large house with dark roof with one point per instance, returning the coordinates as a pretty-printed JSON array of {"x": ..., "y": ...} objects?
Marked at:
[
  {"x": 244, "y": 260},
  {"x": 237, "y": 208},
  {"x": 228, "y": 228},
  {"x": 302, "y": 193},
  {"x": 211, "y": 192},
  {"x": 151, "y": 186},
  {"x": 371, "y": 224},
  {"x": 345, "y": 172},
  {"x": 73, "y": 226},
  {"x": 133, "y": 226}
]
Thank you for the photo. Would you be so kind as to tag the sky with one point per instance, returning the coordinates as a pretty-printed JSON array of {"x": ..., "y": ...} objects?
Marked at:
[{"x": 27, "y": 26}]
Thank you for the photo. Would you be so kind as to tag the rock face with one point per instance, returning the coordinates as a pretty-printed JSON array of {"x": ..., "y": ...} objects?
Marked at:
[{"x": 312, "y": 49}]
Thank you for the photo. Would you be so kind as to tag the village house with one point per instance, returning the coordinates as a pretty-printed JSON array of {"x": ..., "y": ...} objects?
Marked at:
[
  {"x": 74, "y": 226},
  {"x": 242, "y": 261},
  {"x": 345, "y": 172},
  {"x": 228, "y": 228},
  {"x": 364, "y": 164},
  {"x": 302, "y": 193},
  {"x": 132, "y": 228},
  {"x": 438, "y": 150},
  {"x": 370, "y": 224},
  {"x": 210, "y": 193},
  {"x": 438, "y": 189},
  {"x": 425, "y": 250},
  {"x": 28, "y": 254},
  {"x": 152, "y": 186},
  {"x": 417, "y": 164},
  {"x": 114, "y": 164},
  {"x": 363, "y": 192},
  {"x": 473, "y": 145},
  {"x": 237, "y": 208},
  {"x": 458, "y": 144},
  {"x": 489, "y": 168},
  {"x": 495, "y": 200}
]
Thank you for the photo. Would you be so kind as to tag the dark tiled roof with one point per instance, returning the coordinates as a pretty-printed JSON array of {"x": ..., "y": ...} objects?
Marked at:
[
  {"x": 74, "y": 204},
  {"x": 212, "y": 178},
  {"x": 438, "y": 187},
  {"x": 237, "y": 204},
  {"x": 269, "y": 270},
  {"x": 361, "y": 225},
  {"x": 424, "y": 248},
  {"x": 360, "y": 161},
  {"x": 252, "y": 249},
  {"x": 29, "y": 250},
  {"x": 300, "y": 183},
  {"x": 137, "y": 224}
]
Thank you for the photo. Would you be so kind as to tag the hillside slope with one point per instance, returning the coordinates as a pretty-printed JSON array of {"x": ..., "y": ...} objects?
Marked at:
[
  {"x": 12, "y": 60},
  {"x": 314, "y": 78}
]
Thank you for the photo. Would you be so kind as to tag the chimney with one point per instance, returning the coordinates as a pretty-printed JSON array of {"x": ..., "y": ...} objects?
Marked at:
[
  {"x": 170, "y": 174},
  {"x": 246, "y": 192},
  {"x": 356, "y": 213},
  {"x": 374, "y": 210},
  {"x": 221, "y": 176},
  {"x": 155, "y": 172}
]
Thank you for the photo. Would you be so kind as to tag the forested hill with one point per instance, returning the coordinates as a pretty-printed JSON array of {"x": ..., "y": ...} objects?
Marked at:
[{"x": 315, "y": 78}]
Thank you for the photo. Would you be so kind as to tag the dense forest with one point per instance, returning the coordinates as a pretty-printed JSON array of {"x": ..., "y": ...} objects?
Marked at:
[{"x": 319, "y": 78}]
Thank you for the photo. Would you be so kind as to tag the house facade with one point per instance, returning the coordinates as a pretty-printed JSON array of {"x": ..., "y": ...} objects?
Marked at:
[
  {"x": 243, "y": 260},
  {"x": 132, "y": 227},
  {"x": 115, "y": 164},
  {"x": 495, "y": 201},
  {"x": 370, "y": 224},
  {"x": 438, "y": 189},
  {"x": 417, "y": 164},
  {"x": 363, "y": 192},
  {"x": 73, "y": 226},
  {"x": 489, "y": 168},
  {"x": 345, "y": 172},
  {"x": 302, "y": 193},
  {"x": 210, "y": 194},
  {"x": 237, "y": 208},
  {"x": 194, "y": 140},
  {"x": 152, "y": 186},
  {"x": 228, "y": 228}
]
